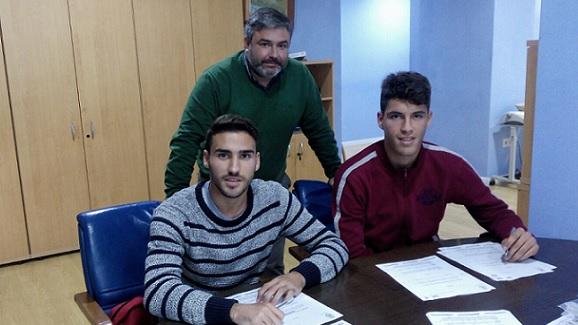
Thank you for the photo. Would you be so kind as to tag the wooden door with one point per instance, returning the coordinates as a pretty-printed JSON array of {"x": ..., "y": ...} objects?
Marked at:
[
  {"x": 42, "y": 85},
  {"x": 103, "y": 36},
  {"x": 164, "y": 39},
  {"x": 13, "y": 237},
  {"x": 217, "y": 29}
]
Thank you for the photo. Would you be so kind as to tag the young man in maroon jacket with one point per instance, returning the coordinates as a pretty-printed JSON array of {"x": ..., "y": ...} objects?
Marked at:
[{"x": 394, "y": 192}]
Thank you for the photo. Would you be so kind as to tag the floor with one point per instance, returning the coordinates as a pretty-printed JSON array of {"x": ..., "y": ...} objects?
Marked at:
[{"x": 41, "y": 291}]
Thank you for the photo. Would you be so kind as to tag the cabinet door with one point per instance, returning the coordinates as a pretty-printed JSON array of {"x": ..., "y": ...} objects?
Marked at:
[
  {"x": 40, "y": 71},
  {"x": 164, "y": 40},
  {"x": 13, "y": 237},
  {"x": 307, "y": 166},
  {"x": 106, "y": 65},
  {"x": 218, "y": 30}
]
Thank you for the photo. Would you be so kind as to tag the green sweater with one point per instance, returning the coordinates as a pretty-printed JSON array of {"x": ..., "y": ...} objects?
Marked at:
[{"x": 291, "y": 100}]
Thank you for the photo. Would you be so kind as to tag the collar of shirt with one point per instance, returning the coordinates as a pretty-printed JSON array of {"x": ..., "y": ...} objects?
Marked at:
[{"x": 250, "y": 70}]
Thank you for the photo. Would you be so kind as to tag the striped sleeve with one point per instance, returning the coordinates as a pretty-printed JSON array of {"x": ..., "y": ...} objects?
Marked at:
[{"x": 328, "y": 253}]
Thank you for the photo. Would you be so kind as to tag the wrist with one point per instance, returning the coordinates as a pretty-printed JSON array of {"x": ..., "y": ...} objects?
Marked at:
[
  {"x": 234, "y": 312},
  {"x": 298, "y": 279}
]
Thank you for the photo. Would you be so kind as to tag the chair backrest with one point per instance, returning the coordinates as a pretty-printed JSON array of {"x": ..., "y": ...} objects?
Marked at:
[
  {"x": 351, "y": 148},
  {"x": 316, "y": 197},
  {"x": 113, "y": 245}
]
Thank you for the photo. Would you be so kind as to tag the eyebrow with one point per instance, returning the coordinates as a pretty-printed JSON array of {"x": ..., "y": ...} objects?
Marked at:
[{"x": 229, "y": 151}]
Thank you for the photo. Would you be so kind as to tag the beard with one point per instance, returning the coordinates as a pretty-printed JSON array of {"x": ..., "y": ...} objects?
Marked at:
[{"x": 258, "y": 67}]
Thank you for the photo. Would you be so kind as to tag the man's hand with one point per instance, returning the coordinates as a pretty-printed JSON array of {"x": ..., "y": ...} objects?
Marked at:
[
  {"x": 281, "y": 288},
  {"x": 259, "y": 313},
  {"x": 520, "y": 245}
]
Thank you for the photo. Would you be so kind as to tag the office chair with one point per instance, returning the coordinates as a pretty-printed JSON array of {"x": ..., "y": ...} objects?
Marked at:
[
  {"x": 113, "y": 245},
  {"x": 316, "y": 197}
]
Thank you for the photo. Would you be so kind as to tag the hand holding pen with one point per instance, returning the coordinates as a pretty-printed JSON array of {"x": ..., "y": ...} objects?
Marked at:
[{"x": 519, "y": 246}]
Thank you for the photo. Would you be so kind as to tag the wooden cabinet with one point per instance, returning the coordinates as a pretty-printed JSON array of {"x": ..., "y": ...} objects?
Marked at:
[
  {"x": 13, "y": 237},
  {"x": 94, "y": 91},
  {"x": 302, "y": 163},
  {"x": 108, "y": 87},
  {"x": 47, "y": 123}
]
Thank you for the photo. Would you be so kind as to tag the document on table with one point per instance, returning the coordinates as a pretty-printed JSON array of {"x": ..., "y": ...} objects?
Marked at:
[
  {"x": 301, "y": 310},
  {"x": 431, "y": 278},
  {"x": 486, "y": 258},
  {"x": 569, "y": 314},
  {"x": 490, "y": 317}
]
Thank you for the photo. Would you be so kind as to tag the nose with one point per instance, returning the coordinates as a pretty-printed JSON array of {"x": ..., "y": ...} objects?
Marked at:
[
  {"x": 234, "y": 166},
  {"x": 406, "y": 126},
  {"x": 274, "y": 52}
]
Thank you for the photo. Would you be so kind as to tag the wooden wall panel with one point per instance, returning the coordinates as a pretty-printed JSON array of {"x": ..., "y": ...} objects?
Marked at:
[
  {"x": 108, "y": 85},
  {"x": 217, "y": 29},
  {"x": 41, "y": 76},
  {"x": 166, "y": 64},
  {"x": 13, "y": 237}
]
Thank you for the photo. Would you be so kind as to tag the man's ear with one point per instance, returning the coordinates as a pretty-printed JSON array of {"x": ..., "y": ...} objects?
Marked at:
[
  {"x": 258, "y": 164},
  {"x": 246, "y": 42},
  {"x": 429, "y": 117},
  {"x": 206, "y": 158},
  {"x": 380, "y": 117}
]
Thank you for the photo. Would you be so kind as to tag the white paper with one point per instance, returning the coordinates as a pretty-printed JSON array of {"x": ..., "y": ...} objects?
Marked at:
[
  {"x": 432, "y": 278},
  {"x": 489, "y": 317},
  {"x": 301, "y": 310},
  {"x": 341, "y": 322},
  {"x": 564, "y": 320},
  {"x": 486, "y": 258}
]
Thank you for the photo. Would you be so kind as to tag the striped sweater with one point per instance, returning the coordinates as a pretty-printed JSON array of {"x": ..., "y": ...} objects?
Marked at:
[{"x": 193, "y": 253}]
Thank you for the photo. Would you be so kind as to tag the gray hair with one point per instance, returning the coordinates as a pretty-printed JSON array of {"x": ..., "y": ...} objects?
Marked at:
[{"x": 266, "y": 18}]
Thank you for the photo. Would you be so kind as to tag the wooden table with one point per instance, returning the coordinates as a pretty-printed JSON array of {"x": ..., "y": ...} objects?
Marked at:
[{"x": 366, "y": 295}]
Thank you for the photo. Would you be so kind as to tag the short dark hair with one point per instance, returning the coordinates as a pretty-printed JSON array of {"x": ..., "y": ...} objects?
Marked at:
[
  {"x": 405, "y": 85},
  {"x": 266, "y": 18},
  {"x": 230, "y": 123}
]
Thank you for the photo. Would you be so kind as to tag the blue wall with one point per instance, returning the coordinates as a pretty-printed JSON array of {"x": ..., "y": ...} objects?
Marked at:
[
  {"x": 553, "y": 198},
  {"x": 451, "y": 44},
  {"x": 374, "y": 43},
  {"x": 317, "y": 31},
  {"x": 474, "y": 54}
]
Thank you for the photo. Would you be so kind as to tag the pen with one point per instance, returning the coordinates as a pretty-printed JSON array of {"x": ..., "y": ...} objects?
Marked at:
[
  {"x": 284, "y": 302},
  {"x": 505, "y": 256}
]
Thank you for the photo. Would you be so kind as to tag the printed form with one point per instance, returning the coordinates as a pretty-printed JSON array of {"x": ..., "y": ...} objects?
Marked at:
[
  {"x": 301, "y": 310},
  {"x": 486, "y": 258},
  {"x": 490, "y": 317},
  {"x": 431, "y": 278}
]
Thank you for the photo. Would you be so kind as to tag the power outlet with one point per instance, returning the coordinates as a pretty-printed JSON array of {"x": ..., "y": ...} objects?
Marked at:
[{"x": 506, "y": 142}]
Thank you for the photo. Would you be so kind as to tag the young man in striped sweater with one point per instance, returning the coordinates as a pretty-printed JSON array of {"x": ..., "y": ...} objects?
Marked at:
[
  {"x": 218, "y": 235},
  {"x": 394, "y": 192}
]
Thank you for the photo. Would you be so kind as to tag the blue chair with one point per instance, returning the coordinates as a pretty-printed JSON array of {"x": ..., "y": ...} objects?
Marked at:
[
  {"x": 316, "y": 197},
  {"x": 113, "y": 245}
]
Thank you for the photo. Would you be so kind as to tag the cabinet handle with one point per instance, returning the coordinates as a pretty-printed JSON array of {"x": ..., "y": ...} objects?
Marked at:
[
  {"x": 289, "y": 151},
  {"x": 300, "y": 151},
  {"x": 73, "y": 131},
  {"x": 92, "y": 131}
]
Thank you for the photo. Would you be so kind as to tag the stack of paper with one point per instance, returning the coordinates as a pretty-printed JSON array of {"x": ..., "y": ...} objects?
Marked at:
[
  {"x": 301, "y": 310},
  {"x": 486, "y": 258},
  {"x": 432, "y": 278}
]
